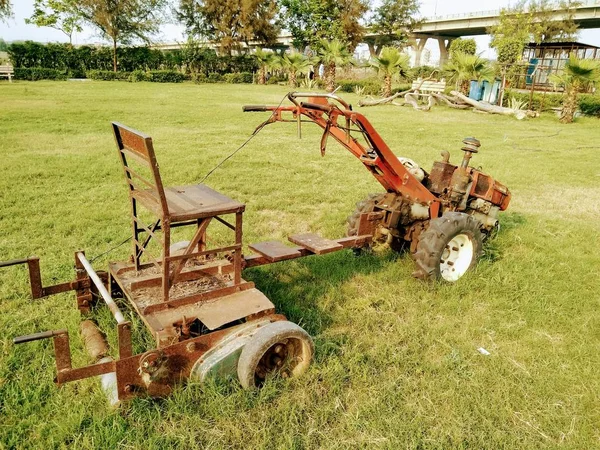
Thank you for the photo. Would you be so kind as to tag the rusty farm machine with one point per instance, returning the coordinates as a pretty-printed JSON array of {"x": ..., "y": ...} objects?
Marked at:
[{"x": 205, "y": 319}]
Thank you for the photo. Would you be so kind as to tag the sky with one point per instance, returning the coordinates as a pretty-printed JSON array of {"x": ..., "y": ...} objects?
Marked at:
[{"x": 16, "y": 29}]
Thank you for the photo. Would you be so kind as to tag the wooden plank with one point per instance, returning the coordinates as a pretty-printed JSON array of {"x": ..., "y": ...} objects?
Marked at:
[
  {"x": 275, "y": 251},
  {"x": 315, "y": 243}
]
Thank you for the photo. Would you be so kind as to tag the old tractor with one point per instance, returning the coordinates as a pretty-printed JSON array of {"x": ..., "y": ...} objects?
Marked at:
[
  {"x": 442, "y": 216},
  {"x": 205, "y": 319}
]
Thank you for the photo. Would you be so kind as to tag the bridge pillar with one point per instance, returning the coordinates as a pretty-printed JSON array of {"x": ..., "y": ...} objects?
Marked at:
[
  {"x": 418, "y": 44},
  {"x": 444, "y": 44}
]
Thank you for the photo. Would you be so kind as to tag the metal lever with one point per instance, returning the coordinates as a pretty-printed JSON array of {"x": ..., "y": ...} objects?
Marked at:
[
  {"x": 38, "y": 336},
  {"x": 471, "y": 146}
]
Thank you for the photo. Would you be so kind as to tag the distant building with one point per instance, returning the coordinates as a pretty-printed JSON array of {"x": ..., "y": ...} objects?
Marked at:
[{"x": 549, "y": 58}]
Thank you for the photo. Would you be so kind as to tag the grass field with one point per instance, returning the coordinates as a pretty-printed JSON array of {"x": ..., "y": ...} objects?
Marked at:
[{"x": 396, "y": 364}]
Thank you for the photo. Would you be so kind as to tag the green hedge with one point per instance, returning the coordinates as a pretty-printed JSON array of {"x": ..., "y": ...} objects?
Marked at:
[
  {"x": 371, "y": 86},
  {"x": 165, "y": 76},
  {"x": 238, "y": 78},
  {"x": 540, "y": 101},
  {"x": 107, "y": 75},
  {"x": 38, "y": 73},
  {"x": 589, "y": 105}
]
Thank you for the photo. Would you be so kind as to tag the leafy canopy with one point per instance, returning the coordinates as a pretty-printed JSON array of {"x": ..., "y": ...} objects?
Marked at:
[{"x": 61, "y": 15}]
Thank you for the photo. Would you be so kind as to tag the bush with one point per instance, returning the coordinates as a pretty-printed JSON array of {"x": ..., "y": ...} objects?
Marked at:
[
  {"x": 401, "y": 88},
  {"x": 38, "y": 73},
  {"x": 238, "y": 78},
  {"x": 276, "y": 79},
  {"x": 138, "y": 75},
  {"x": 371, "y": 86},
  {"x": 423, "y": 72},
  {"x": 589, "y": 105},
  {"x": 214, "y": 77},
  {"x": 540, "y": 101},
  {"x": 107, "y": 75},
  {"x": 165, "y": 76}
]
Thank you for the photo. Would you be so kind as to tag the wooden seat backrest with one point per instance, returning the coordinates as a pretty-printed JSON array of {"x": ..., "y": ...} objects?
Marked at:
[{"x": 137, "y": 146}]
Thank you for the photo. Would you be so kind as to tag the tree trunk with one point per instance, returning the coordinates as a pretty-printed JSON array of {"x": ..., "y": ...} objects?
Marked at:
[
  {"x": 387, "y": 86},
  {"x": 331, "y": 77},
  {"x": 292, "y": 79},
  {"x": 262, "y": 75},
  {"x": 569, "y": 105},
  {"x": 114, "y": 55}
]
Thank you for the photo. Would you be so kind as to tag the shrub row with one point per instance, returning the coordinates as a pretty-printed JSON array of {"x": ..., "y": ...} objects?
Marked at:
[
  {"x": 169, "y": 76},
  {"x": 589, "y": 104},
  {"x": 214, "y": 77},
  {"x": 79, "y": 60},
  {"x": 39, "y": 73},
  {"x": 371, "y": 86}
]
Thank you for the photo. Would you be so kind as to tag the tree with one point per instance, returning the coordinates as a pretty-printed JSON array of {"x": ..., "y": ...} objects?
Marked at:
[
  {"x": 295, "y": 63},
  {"x": 333, "y": 54},
  {"x": 578, "y": 75},
  {"x": 122, "y": 21},
  {"x": 545, "y": 27},
  {"x": 463, "y": 68},
  {"x": 311, "y": 21},
  {"x": 264, "y": 60},
  {"x": 468, "y": 46},
  {"x": 391, "y": 23},
  {"x": 231, "y": 22},
  {"x": 5, "y": 10},
  {"x": 61, "y": 15},
  {"x": 390, "y": 63}
]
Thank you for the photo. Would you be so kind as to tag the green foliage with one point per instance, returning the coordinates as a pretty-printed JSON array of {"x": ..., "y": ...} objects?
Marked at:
[
  {"x": 311, "y": 21},
  {"x": 230, "y": 23},
  {"x": 61, "y": 15},
  {"x": 333, "y": 54},
  {"x": 370, "y": 86},
  {"x": 589, "y": 105},
  {"x": 391, "y": 22},
  {"x": 390, "y": 64},
  {"x": 468, "y": 46},
  {"x": 122, "y": 21},
  {"x": 238, "y": 78},
  {"x": 38, "y": 73},
  {"x": 138, "y": 75},
  {"x": 5, "y": 10},
  {"x": 422, "y": 72},
  {"x": 463, "y": 68},
  {"x": 541, "y": 102},
  {"x": 214, "y": 77},
  {"x": 165, "y": 76},
  {"x": 107, "y": 75}
]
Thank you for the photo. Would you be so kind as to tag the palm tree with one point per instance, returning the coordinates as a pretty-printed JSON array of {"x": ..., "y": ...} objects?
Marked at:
[
  {"x": 463, "y": 68},
  {"x": 295, "y": 63},
  {"x": 333, "y": 54},
  {"x": 578, "y": 75},
  {"x": 264, "y": 60},
  {"x": 390, "y": 63}
]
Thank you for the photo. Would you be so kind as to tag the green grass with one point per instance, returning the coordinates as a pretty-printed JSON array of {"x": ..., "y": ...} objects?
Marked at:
[{"x": 396, "y": 359}]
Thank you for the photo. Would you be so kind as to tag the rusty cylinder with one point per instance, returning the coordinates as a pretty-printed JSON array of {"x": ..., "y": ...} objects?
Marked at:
[{"x": 93, "y": 340}]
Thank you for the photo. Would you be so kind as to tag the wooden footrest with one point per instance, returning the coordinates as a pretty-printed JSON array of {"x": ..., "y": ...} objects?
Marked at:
[
  {"x": 315, "y": 243},
  {"x": 275, "y": 251}
]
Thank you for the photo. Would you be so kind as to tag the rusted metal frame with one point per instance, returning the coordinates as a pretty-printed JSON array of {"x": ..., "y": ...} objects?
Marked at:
[
  {"x": 186, "y": 255},
  {"x": 205, "y": 252},
  {"x": 224, "y": 222},
  {"x": 185, "y": 275},
  {"x": 154, "y": 228},
  {"x": 14, "y": 262},
  {"x": 347, "y": 242},
  {"x": 124, "y": 339},
  {"x": 114, "y": 309},
  {"x": 195, "y": 298},
  {"x": 144, "y": 228},
  {"x": 68, "y": 375},
  {"x": 151, "y": 257},
  {"x": 237, "y": 257},
  {"x": 166, "y": 252}
]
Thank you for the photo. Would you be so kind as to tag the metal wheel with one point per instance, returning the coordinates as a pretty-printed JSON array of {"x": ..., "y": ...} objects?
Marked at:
[
  {"x": 279, "y": 349},
  {"x": 449, "y": 247}
]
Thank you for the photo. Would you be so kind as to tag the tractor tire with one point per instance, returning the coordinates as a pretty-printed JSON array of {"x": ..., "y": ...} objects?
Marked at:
[
  {"x": 449, "y": 247},
  {"x": 280, "y": 348},
  {"x": 364, "y": 206}
]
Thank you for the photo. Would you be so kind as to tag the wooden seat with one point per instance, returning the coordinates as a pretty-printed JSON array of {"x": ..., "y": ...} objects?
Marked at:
[
  {"x": 190, "y": 202},
  {"x": 315, "y": 243},
  {"x": 194, "y": 205},
  {"x": 275, "y": 251}
]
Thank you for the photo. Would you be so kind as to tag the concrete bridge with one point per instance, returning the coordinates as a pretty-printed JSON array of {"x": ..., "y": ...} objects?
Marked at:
[{"x": 447, "y": 28}]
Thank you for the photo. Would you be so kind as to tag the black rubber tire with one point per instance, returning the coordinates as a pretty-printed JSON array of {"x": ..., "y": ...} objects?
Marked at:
[
  {"x": 364, "y": 206},
  {"x": 272, "y": 334},
  {"x": 436, "y": 237}
]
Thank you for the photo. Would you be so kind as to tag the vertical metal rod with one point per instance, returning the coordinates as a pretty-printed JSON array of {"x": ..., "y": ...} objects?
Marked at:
[
  {"x": 101, "y": 288},
  {"x": 35, "y": 277}
]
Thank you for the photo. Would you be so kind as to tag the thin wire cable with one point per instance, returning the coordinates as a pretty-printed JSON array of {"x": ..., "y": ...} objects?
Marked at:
[{"x": 258, "y": 130}]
